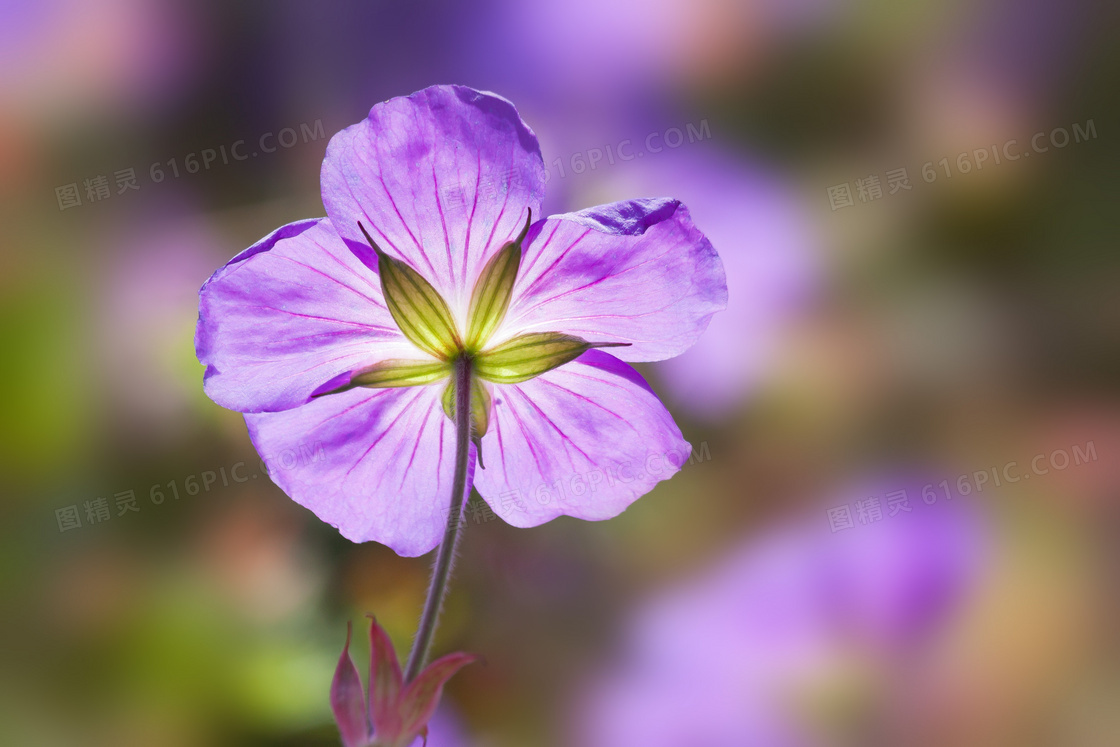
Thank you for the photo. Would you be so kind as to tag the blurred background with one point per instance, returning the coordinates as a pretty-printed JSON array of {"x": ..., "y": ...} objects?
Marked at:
[{"x": 899, "y": 523}]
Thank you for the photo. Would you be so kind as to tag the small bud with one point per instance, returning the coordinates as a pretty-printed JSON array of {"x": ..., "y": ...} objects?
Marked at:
[{"x": 480, "y": 406}]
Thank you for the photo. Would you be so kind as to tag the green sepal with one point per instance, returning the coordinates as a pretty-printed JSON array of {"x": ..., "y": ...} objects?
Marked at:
[
  {"x": 491, "y": 295},
  {"x": 396, "y": 373},
  {"x": 529, "y": 355},
  {"x": 418, "y": 309}
]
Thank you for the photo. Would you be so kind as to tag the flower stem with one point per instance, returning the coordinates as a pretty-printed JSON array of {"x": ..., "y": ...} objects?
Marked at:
[{"x": 445, "y": 556}]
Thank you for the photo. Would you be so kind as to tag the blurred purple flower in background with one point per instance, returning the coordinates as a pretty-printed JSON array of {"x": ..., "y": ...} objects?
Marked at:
[
  {"x": 150, "y": 292},
  {"x": 444, "y": 179},
  {"x": 746, "y": 652},
  {"x": 77, "y": 57},
  {"x": 631, "y": 49},
  {"x": 770, "y": 251},
  {"x": 628, "y": 63}
]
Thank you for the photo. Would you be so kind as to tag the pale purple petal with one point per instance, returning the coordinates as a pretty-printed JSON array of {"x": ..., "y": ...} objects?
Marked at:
[
  {"x": 288, "y": 316},
  {"x": 894, "y": 581},
  {"x": 376, "y": 463},
  {"x": 444, "y": 730},
  {"x": 771, "y": 251},
  {"x": 441, "y": 178},
  {"x": 657, "y": 709},
  {"x": 586, "y": 440},
  {"x": 636, "y": 272}
]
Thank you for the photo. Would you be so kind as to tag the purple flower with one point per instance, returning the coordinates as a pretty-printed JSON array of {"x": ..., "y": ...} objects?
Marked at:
[
  {"x": 730, "y": 658},
  {"x": 395, "y": 713},
  {"x": 341, "y": 332}
]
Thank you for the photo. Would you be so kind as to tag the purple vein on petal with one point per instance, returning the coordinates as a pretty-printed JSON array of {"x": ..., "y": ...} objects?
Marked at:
[
  {"x": 442, "y": 423},
  {"x": 400, "y": 217},
  {"x": 470, "y": 218},
  {"x": 590, "y": 401},
  {"x": 364, "y": 401},
  {"x": 331, "y": 278},
  {"x": 502, "y": 212},
  {"x": 442, "y": 218},
  {"x": 359, "y": 343},
  {"x": 528, "y": 440},
  {"x": 419, "y": 436},
  {"x": 559, "y": 432},
  {"x": 552, "y": 322},
  {"x": 402, "y": 443},
  {"x": 536, "y": 282},
  {"x": 550, "y": 299},
  {"x": 326, "y": 333},
  {"x": 312, "y": 367},
  {"x": 387, "y": 242},
  {"x": 527, "y": 271},
  {"x": 608, "y": 382},
  {"x": 363, "y": 325},
  {"x": 501, "y": 447},
  {"x": 384, "y": 433},
  {"x": 357, "y": 275}
]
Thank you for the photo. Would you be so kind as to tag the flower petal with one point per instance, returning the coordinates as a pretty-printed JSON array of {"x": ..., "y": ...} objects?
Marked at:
[
  {"x": 586, "y": 440},
  {"x": 291, "y": 313},
  {"x": 635, "y": 272},
  {"x": 442, "y": 179},
  {"x": 376, "y": 463},
  {"x": 347, "y": 700},
  {"x": 771, "y": 251}
]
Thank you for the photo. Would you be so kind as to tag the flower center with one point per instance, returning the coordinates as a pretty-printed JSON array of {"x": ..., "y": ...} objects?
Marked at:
[{"x": 424, "y": 317}]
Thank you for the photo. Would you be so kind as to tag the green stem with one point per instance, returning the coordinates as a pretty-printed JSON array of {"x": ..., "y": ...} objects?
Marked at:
[{"x": 445, "y": 556}]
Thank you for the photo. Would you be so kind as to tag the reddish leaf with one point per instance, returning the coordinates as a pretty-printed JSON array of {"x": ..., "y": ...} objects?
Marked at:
[
  {"x": 348, "y": 700},
  {"x": 421, "y": 696},
  {"x": 385, "y": 681}
]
